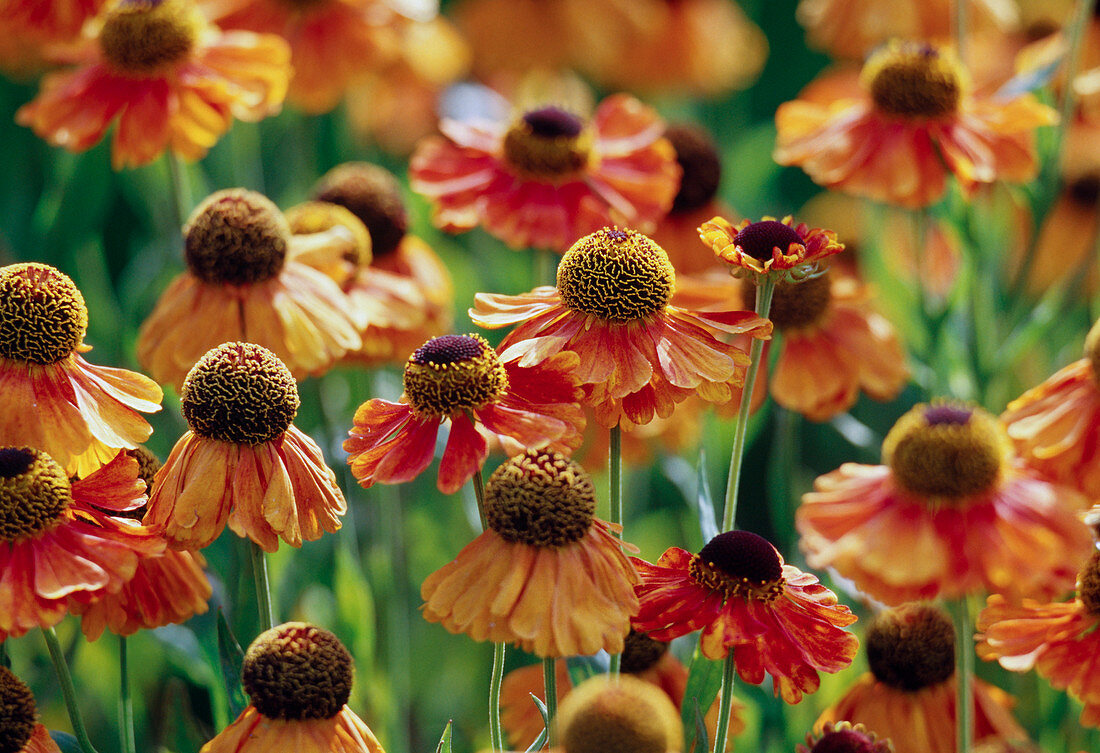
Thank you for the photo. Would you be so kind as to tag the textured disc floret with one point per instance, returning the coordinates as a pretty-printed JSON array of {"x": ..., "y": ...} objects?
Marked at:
[
  {"x": 371, "y": 193},
  {"x": 913, "y": 80},
  {"x": 640, "y": 652},
  {"x": 236, "y": 237},
  {"x": 700, "y": 164},
  {"x": 618, "y": 275},
  {"x": 1088, "y": 586},
  {"x": 739, "y": 563},
  {"x": 541, "y": 499},
  {"x": 843, "y": 737},
  {"x": 17, "y": 712},
  {"x": 240, "y": 393},
  {"x": 946, "y": 450},
  {"x": 34, "y": 492},
  {"x": 547, "y": 143},
  {"x": 42, "y": 314},
  {"x": 794, "y": 304},
  {"x": 453, "y": 372},
  {"x": 759, "y": 239},
  {"x": 624, "y": 715},
  {"x": 142, "y": 36},
  {"x": 297, "y": 671},
  {"x": 911, "y": 647}
]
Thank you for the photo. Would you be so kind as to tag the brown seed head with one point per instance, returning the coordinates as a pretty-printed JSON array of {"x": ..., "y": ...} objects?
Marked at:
[
  {"x": 542, "y": 499},
  {"x": 42, "y": 314},
  {"x": 296, "y": 671}
]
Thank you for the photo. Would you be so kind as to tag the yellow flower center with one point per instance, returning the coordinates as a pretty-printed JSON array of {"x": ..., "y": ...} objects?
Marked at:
[
  {"x": 913, "y": 80},
  {"x": 239, "y": 393},
  {"x": 542, "y": 499},
  {"x": 17, "y": 712},
  {"x": 700, "y": 163},
  {"x": 794, "y": 305},
  {"x": 911, "y": 647},
  {"x": 297, "y": 671},
  {"x": 946, "y": 450},
  {"x": 34, "y": 493},
  {"x": 618, "y": 275},
  {"x": 842, "y": 737},
  {"x": 1088, "y": 585},
  {"x": 740, "y": 564},
  {"x": 42, "y": 314},
  {"x": 602, "y": 715},
  {"x": 640, "y": 652},
  {"x": 141, "y": 37},
  {"x": 235, "y": 237},
  {"x": 321, "y": 216},
  {"x": 547, "y": 144},
  {"x": 759, "y": 239},
  {"x": 371, "y": 193},
  {"x": 1092, "y": 350},
  {"x": 453, "y": 373}
]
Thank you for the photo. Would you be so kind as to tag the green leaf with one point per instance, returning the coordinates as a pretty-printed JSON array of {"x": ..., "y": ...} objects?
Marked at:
[
  {"x": 231, "y": 657},
  {"x": 445, "y": 741},
  {"x": 704, "y": 502},
  {"x": 541, "y": 739},
  {"x": 704, "y": 681},
  {"x": 66, "y": 742},
  {"x": 701, "y": 743}
]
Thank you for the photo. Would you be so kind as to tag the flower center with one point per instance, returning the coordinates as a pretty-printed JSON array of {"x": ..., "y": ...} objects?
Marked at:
[
  {"x": 371, "y": 193},
  {"x": 42, "y": 314},
  {"x": 542, "y": 499},
  {"x": 452, "y": 373},
  {"x": 618, "y": 275},
  {"x": 239, "y": 393},
  {"x": 315, "y": 217},
  {"x": 1088, "y": 585},
  {"x": 235, "y": 237},
  {"x": 34, "y": 493},
  {"x": 913, "y": 80},
  {"x": 911, "y": 647},
  {"x": 17, "y": 712},
  {"x": 794, "y": 304},
  {"x": 140, "y": 37},
  {"x": 1085, "y": 191},
  {"x": 759, "y": 239},
  {"x": 700, "y": 163},
  {"x": 1092, "y": 350},
  {"x": 946, "y": 450},
  {"x": 602, "y": 715},
  {"x": 297, "y": 671},
  {"x": 640, "y": 652},
  {"x": 546, "y": 144},
  {"x": 842, "y": 737},
  {"x": 740, "y": 564}
]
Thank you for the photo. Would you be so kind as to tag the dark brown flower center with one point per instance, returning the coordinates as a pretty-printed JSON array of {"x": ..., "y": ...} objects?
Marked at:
[
  {"x": 842, "y": 737},
  {"x": 640, "y": 652},
  {"x": 618, "y": 275},
  {"x": 17, "y": 712},
  {"x": 371, "y": 193},
  {"x": 913, "y": 80},
  {"x": 626, "y": 715},
  {"x": 34, "y": 493},
  {"x": 542, "y": 499},
  {"x": 236, "y": 237},
  {"x": 141, "y": 37},
  {"x": 42, "y": 314},
  {"x": 549, "y": 143},
  {"x": 759, "y": 239},
  {"x": 1085, "y": 191},
  {"x": 740, "y": 564},
  {"x": 911, "y": 647},
  {"x": 1088, "y": 585},
  {"x": 453, "y": 373},
  {"x": 297, "y": 671},
  {"x": 700, "y": 163},
  {"x": 794, "y": 304}
]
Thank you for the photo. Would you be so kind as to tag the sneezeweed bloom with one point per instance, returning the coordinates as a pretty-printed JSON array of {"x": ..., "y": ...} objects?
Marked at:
[
  {"x": 770, "y": 247},
  {"x": 298, "y": 678},
  {"x": 461, "y": 379},
  {"x": 639, "y": 355},
  {"x": 1060, "y": 640},
  {"x": 546, "y": 574},
  {"x": 246, "y": 280},
  {"x": 618, "y": 715},
  {"x": 82, "y": 414},
  {"x": 950, "y": 493},
  {"x": 739, "y": 592},
  {"x": 910, "y": 693},
  {"x": 20, "y": 731},
  {"x": 550, "y": 176},
  {"x": 916, "y": 124},
  {"x": 242, "y": 461},
  {"x": 168, "y": 77},
  {"x": 62, "y": 542},
  {"x": 42, "y": 23},
  {"x": 843, "y": 737}
]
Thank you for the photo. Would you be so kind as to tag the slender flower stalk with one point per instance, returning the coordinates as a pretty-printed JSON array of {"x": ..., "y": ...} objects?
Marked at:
[
  {"x": 616, "y": 473},
  {"x": 496, "y": 729},
  {"x": 126, "y": 733},
  {"x": 726, "y": 701},
  {"x": 179, "y": 190},
  {"x": 263, "y": 585},
  {"x": 964, "y": 672},
  {"x": 65, "y": 679},
  {"x": 550, "y": 682}
]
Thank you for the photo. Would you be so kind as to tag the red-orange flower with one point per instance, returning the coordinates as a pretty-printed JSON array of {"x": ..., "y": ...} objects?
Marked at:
[
  {"x": 461, "y": 379},
  {"x": 916, "y": 124},
  {"x": 770, "y": 245},
  {"x": 80, "y": 414},
  {"x": 169, "y": 78},
  {"x": 549, "y": 177},
  {"x": 45, "y": 21},
  {"x": 639, "y": 356},
  {"x": 774, "y": 617},
  {"x": 968, "y": 515}
]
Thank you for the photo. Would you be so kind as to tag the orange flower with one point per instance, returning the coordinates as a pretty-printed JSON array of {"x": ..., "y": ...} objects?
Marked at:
[
  {"x": 1060, "y": 641},
  {"x": 774, "y": 617},
  {"x": 247, "y": 280},
  {"x": 968, "y": 515},
  {"x": 172, "y": 81},
  {"x": 516, "y": 36},
  {"x": 546, "y": 574},
  {"x": 639, "y": 356},
  {"x": 298, "y": 679},
  {"x": 460, "y": 378},
  {"x": 770, "y": 246},
  {"x": 47, "y": 21},
  {"x": 243, "y": 461},
  {"x": 20, "y": 731},
  {"x": 916, "y": 124},
  {"x": 549, "y": 177},
  {"x": 57, "y": 545},
  {"x": 82, "y": 413}
]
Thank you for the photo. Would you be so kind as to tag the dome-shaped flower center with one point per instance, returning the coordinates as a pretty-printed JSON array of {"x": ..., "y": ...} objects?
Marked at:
[
  {"x": 740, "y": 564},
  {"x": 141, "y": 37},
  {"x": 17, "y": 712},
  {"x": 911, "y": 647},
  {"x": 618, "y": 275},
  {"x": 240, "y": 393},
  {"x": 1085, "y": 191},
  {"x": 42, "y": 314},
  {"x": 759, "y": 239},
  {"x": 540, "y": 499},
  {"x": 640, "y": 652},
  {"x": 315, "y": 217},
  {"x": 1088, "y": 585},
  {"x": 548, "y": 143},
  {"x": 372, "y": 194},
  {"x": 913, "y": 80},
  {"x": 700, "y": 163},
  {"x": 1092, "y": 350},
  {"x": 452, "y": 373},
  {"x": 235, "y": 237},
  {"x": 842, "y": 737},
  {"x": 946, "y": 450},
  {"x": 34, "y": 493},
  {"x": 297, "y": 671},
  {"x": 794, "y": 305},
  {"x": 625, "y": 715}
]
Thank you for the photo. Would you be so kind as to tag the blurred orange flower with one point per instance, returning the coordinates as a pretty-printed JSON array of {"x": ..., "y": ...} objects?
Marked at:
[
  {"x": 759, "y": 248},
  {"x": 46, "y": 21}
]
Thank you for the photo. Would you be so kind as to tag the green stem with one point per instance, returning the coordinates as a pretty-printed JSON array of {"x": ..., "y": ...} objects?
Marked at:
[
  {"x": 65, "y": 678},
  {"x": 616, "y": 473},
  {"x": 479, "y": 492},
  {"x": 263, "y": 585},
  {"x": 726, "y": 701},
  {"x": 960, "y": 29},
  {"x": 496, "y": 731},
  {"x": 550, "y": 682},
  {"x": 964, "y": 674},
  {"x": 125, "y": 702},
  {"x": 180, "y": 190},
  {"x": 544, "y": 267},
  {"x": 733, "y": 480}
]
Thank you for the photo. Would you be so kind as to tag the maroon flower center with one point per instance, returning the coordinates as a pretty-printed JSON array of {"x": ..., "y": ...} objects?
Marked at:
[
  {"x": 760, "y": 238},
  {"x": 547, "y": 144},
  {"x": 453, "y": 373},
  {"x": 700, "y": 163},
  {"x": 448, "y": 349},
  {"x": 15, "y": 461},
  {"x": 844, "y": 741},
  {"x": 946, "y": 414},
  {"x": 552, "y": 122},
  {"x": 741, "y": 554},
  {"x": 1085, "y": 191}
]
